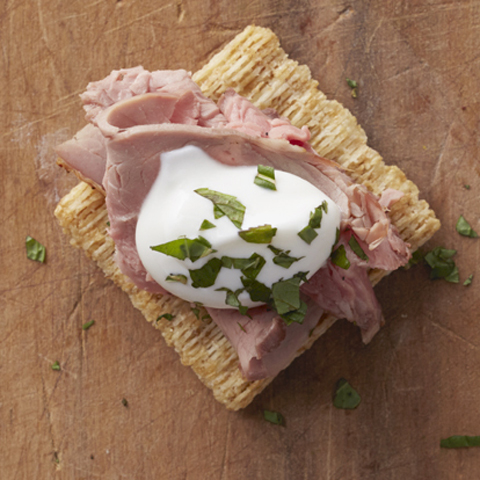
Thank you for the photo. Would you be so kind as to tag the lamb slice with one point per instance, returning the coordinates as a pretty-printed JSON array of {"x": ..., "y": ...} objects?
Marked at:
[
  {"x": 346, "y": 294},
  {"x": 264, "y": 343},
  {"x": 149, "y": 109},
  {"x": 129, "y": 82},
  {"x": 242, "y": 115},
  {"x": 389, "y": 197},
  {"x": 85, "y": 154}
]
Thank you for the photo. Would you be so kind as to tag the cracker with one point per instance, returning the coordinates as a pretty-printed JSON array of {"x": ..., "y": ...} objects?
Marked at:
[{"x": 256, "y": 67}]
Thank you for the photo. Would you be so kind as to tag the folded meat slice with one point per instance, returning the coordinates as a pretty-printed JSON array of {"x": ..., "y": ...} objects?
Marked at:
[
  {"x": 128, "y": 82},
  {"x": 178, "y": 99},
  {"x": 264, "y": 343},
  {"x": 85, "y": 154},
  {"x": 242, "y": 115}
]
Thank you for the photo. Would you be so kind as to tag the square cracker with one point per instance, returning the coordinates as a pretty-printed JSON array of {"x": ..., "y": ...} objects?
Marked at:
[{"x": 256, "y": 67}]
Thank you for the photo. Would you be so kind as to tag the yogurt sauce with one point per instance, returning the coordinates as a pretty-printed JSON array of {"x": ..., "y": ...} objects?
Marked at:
[{"x": 172, "y": 210}]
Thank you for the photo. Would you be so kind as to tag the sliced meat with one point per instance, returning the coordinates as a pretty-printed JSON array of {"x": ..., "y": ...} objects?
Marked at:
[
  {"x": 178, "y": 100},
  {"x": 264, "y": 343},
  {"x": 389, "y": 197},
  {"x": 85, "y": 154},
  {"x": 129, "y": 82},
  {"x": 242, "y": 115},
  {"x": 346, "y": 294}
]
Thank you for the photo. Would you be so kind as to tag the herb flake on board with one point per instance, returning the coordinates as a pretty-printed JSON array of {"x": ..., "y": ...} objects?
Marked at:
[
  {"x": 274, "y": 417},
  {"x": 460, "y": 441},
  {"x": 87, "y": 325},
  {"x": 354, "y": 87},
  {"x": 465, "y": 229},
  {"x": 442, "y": 264},
  {"x": 35, "y": 250},
  {"x": 346, "y": 397},
  {"x": 55, "y": 366}
]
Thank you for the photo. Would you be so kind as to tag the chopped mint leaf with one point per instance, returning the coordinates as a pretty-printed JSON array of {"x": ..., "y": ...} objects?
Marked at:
[
  {"x": 250, "y": 267},
  {"x": 183, "y": 248},
  {"x": 196, "y": 312},
  {"x": 282, "y": 258},
  {"x": 286, "y": 295},
  {"x": 177, "y": 278},
  {"x": 55, "y": 366},
  {"x": 417, "y": 257},
  {"x": 468, "y": 281},
  {"x": 258, "y": 291},
  {"x": 339, "y": 258},
  {"x": 307, "y": 234},
  {"x": 205, "y": 276},
  {"x": 275, "y": 250},
  {"x": 357, "y": 249},
  {"x": 265, "y": 177},
  {"x": 224, "y": 205},
  {"x": 354, "y": 86},
  {"x": 466, "y": 187},
  {"x": 264, "y": 183},
  {"x": 125, "y": 402},
  {"x": 241, "y": 327},
  {"x": 263, "y": 234},
  {"x": 302, "y": 276},
  {"x": 206, "y": 225},
  {"x": 87, "y": 325},
  {"x": 316, "y": 216},
  {"x": 351, "y": 83},
  {"x": 337, "y": 236},
  {"x": 266, "y": 171},
  {"x": 297, "y": 315},
  {"x": 232, "y": 300},
  {"x": 345, "y": 396},
  {"x": 35, "y": 250},
  {"x": 464, "y": 228},
  {"x": 454, "y": 276},
  {"x": 166, "y": 316},
  {"x": 442, "y": 265},
  {"x": 274, "y": 417},
  {"x": 460, "y": 441}
]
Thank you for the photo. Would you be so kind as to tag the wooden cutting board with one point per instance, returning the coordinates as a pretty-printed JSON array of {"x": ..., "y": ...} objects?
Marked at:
[{"x": 122, "y": 405}]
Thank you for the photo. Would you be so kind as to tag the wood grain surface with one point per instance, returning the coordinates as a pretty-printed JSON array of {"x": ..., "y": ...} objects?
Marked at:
[{"x": 122, "y": 405}]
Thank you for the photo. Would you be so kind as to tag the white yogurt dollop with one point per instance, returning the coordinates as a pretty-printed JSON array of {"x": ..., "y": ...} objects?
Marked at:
[{"x": 173, "y": 210}]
